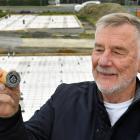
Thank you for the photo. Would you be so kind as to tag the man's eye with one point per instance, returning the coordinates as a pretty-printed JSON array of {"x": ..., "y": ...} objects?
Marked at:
[
  {"x": 119, "y": 52},
  {"x": 99, "y": 49}
]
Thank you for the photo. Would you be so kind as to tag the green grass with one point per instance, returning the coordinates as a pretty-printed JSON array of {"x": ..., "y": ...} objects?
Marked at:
[
  {"x": 87, "y": 36},
  {"x": 2, "y": 14},
  {"x": 57, "y": 13}
]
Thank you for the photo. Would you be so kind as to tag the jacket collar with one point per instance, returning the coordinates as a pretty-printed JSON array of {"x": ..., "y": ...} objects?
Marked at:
[{"x": 137, "y": 94}]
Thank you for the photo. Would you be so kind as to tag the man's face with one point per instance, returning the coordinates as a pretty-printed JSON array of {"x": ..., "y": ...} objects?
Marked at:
[{"x": 115, "y": 58}]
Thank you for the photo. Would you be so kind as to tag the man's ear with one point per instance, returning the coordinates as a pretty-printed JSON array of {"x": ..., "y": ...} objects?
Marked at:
[
  {"x": 138, "y": 59},
  {"x": 139, "y": 66},
  {"x": 139, "y": 69}
]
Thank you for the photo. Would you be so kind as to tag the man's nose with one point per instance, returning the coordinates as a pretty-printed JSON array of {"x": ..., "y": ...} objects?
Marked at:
[{"x": 105, "y": 59}]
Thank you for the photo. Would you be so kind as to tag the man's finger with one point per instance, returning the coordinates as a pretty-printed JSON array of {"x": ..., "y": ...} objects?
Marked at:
[{"x": 2, "y": 86}]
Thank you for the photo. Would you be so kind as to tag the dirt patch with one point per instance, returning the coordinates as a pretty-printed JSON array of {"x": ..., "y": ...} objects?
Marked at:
[{"x": 93, "y": 12}]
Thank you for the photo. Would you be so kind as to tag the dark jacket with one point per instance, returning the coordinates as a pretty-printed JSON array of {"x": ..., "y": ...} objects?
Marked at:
[{"x": 74, "y": 112}]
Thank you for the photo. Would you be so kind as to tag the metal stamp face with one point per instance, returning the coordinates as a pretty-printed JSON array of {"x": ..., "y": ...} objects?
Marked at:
[{"x": 12, "y": 79}]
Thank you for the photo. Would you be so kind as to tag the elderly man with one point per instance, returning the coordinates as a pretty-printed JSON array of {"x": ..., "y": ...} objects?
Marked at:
[{"x": 107, "y": 109}]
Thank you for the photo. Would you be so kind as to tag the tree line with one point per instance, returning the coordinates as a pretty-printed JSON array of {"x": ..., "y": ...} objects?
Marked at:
[{"x": 23, "y": 2}]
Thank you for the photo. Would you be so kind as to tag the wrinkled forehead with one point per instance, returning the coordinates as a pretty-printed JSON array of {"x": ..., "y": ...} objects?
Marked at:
[
  {"x": 125, "y": 31},
  {"x": 124, "y": 35}
]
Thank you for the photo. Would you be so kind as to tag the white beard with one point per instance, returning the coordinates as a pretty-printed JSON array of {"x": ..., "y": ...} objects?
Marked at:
[{"x": 116, "y": 88}]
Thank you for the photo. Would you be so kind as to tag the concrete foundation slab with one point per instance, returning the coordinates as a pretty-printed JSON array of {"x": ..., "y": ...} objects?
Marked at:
[{"x": 30, "y": 23}]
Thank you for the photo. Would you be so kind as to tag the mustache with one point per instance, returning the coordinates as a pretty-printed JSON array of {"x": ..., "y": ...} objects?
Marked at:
[{"x": 106, "y": 70}]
